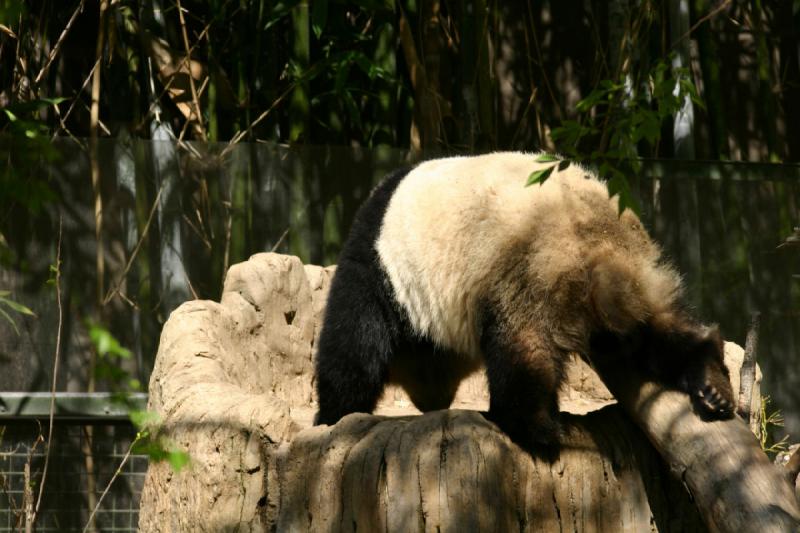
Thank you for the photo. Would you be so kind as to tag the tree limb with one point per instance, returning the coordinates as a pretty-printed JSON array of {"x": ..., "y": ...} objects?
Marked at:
[{"x": 734, "y": 484}]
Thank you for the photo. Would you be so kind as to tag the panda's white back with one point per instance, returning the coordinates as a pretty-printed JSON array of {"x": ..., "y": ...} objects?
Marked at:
[{"x": 450, "y": 219}]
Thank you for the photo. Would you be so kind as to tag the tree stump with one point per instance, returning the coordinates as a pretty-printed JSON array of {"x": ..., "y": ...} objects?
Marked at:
[{"x": 233, "y": 384}]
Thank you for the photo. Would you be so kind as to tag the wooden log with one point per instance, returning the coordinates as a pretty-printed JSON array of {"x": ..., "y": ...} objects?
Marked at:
[
  {"x": 735, "y": 486},
  {"x": 453, "y": 471}
]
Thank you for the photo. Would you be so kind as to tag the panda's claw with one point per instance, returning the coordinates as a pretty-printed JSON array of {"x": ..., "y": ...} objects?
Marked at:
[{"x": 712, "y": 402}]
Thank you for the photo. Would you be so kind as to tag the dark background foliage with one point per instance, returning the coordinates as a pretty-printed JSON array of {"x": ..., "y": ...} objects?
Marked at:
[{"x": 173, "y": 138}]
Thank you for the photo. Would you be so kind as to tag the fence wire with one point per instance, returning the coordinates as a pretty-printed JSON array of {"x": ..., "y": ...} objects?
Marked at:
[{"x": 73, "y": 474}]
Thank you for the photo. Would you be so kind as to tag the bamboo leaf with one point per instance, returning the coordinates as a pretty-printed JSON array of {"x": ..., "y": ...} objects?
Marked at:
[
  {"x": 10, "y": 320},
  {"x": 319, "y": 16},
  {"x": 547, "y": 158},
  {"x": 144, "y": 419},
  {"x": 539, "y": 176},
  {"x": 178, "y": 459},
  {"x": 16, "y": 306}
]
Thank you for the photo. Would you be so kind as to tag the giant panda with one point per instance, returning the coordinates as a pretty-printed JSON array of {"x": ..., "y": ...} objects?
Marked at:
[{"x": 455, "y": 264}]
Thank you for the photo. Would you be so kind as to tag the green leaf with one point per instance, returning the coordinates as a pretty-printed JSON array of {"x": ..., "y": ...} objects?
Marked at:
[
  {"x": 105, "y": 343},
  {"x": 539, "y": 176},
  {"x": 10, "y": 320},
  {"x": 178, "y": 459},
  {"x": 144, "y": 419},
  {"x": 547, "y": 158},
  {"x": 158, "y": 450},
  {"x": 319, "y": 16},
  {"x": 16, "y": 306},
  {"x": 280, "y": 10},
  {"x": 618, "y": 186}
]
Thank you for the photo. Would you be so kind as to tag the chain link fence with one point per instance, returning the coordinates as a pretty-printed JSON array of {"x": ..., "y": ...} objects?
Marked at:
[{"x": 87, "y": 449}]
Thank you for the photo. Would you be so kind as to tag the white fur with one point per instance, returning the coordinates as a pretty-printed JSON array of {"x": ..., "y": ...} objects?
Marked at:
[{"x": 451, "y": 219}]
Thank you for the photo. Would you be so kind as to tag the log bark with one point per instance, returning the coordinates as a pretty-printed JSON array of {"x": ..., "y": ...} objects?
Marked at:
[
  {"x": 454, "y": 471},
  {"x": 233, "y": 384},
  {"x": 735, "y": 486}
]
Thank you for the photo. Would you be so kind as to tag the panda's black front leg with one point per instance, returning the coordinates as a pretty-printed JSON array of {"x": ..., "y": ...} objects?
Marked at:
[
  {"x": 524, "y": 373},
  {"x": 707, "y": 383},
  {"x": 686, "y": 355}
]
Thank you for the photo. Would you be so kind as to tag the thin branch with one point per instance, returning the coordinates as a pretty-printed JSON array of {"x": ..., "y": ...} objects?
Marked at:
[
  {"x": 18, "y": 71},
  {"x": 113, "y": 292},
  {"x": 280, "y": 240},
  {"x": 188, "y": 63},
  {"x": 188, "y": 119},
  {"x": 75, "y": 100},
  {"x": 60, "y": 41},
  {"x": 27, "y": 491},
  {"x": 66, "y": 130},
  {"x": 94, "y": 120},
  {"x": 166, "y": 86},
  {"x": 748, "y": 371},
  {"x": 111, "y": 482},
  {"x": 197, "y": 231},
  {"x": 238, "y": 137},
  {"x": 55, "y": 370},
  {"x": 228, "y": 228},
  {"x": 540, "y": 62},
  {"x": 713, "y": 13}
]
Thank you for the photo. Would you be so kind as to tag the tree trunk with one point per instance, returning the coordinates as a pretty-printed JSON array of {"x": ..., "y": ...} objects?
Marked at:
[
  {"x": 233, "y": 385},
  {"x": 454, "y": 471},
  {"x": 735, "y": 486}
]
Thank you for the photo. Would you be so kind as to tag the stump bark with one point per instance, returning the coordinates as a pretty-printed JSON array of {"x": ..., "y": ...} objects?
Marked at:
[{"x": 233, "y": 384}]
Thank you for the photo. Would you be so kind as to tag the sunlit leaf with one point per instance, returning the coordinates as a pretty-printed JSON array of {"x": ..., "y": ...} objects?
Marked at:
[
  {"x": 105, "y": 343},
  {"x": 178, "y": 459},
  {"x": 16, "y": 306},
  {"x": 539, "y": 176},
  {"x": 144, "y": 419}
]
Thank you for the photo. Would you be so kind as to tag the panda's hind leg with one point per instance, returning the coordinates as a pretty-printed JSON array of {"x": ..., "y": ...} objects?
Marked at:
[
  {"x": 525, "y": 370},
  {"x": 355, "y": 345}
]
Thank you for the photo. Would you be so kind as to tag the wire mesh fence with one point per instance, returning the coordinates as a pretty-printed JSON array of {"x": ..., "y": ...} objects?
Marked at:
[{"x": 83, "y": 459}]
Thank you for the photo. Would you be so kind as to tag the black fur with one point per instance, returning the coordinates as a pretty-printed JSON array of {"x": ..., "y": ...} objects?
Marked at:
[
  {"x": 524, "y": 377},
  {"x": 365, "y": 331}
]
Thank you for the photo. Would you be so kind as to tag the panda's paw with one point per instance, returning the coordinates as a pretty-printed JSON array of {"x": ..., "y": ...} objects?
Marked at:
[
  {"x": 541, "y": 436},
  {"x": 712, "y": 402}
]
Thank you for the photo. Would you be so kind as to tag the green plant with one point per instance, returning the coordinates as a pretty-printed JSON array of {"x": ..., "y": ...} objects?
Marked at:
[
  {"x": 616, "y": 118},
  {"x": 110, "y": 367},
  {"x": 769, "y": 421},
  {"x": 13, "y": 306}
]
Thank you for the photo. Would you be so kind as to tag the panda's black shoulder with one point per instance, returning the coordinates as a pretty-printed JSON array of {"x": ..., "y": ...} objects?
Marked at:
[{"x": 360, "y": 243}]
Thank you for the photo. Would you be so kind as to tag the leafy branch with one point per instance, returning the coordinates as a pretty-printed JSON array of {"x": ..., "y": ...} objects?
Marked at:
[
  {"x": 624, "y": 119},
  {"x": 110, "y": 367}
]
